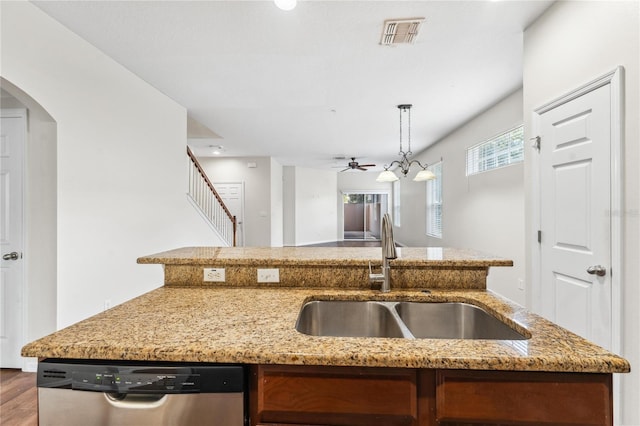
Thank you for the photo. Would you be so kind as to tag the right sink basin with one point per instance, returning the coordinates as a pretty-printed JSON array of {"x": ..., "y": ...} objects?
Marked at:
[
  {"x": 409, "y": 320},
  {"x": 454, "y": 320}
]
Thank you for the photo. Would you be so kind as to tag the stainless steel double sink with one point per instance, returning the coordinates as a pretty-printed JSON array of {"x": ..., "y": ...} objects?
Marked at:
[{"x": 409, "y": 320}]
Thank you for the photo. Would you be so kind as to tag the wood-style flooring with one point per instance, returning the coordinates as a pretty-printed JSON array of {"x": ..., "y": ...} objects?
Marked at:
[{"x": 18, "y": 398}]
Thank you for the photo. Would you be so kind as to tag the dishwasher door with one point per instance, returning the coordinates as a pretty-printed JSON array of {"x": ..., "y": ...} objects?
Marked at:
[
  {"x": 123, "y": 393},
  {"x": 69, "y": 407}
]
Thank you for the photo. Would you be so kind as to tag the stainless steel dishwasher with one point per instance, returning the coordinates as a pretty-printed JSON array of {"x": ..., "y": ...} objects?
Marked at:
[{"x": 88, "y": 392}]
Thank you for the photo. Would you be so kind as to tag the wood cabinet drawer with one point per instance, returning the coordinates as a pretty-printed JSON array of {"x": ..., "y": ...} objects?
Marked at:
[
  {"x": 523, "y": 398},
  {"x": 334, "y": 395}
]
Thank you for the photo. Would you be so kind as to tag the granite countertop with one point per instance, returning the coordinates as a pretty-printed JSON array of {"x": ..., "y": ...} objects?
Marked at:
[
  {"x": 256, "y": 326},
  {"x": 345, "y": 268},
  {"x": 342, "y": 256}
]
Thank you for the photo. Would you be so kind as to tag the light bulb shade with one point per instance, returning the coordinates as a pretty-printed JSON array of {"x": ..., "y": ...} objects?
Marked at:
[
  {"x": 286, "y": 4},
  {"x": 424, "y": 175},
  {"x": 387, "y": 176}
]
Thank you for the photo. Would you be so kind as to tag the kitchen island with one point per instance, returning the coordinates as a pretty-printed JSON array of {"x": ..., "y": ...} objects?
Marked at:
[{"x": 425, "y": 380}]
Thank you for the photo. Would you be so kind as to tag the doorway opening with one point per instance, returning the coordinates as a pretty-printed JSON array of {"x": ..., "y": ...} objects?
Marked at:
[
  {"x": 232, "y": 193},
  {"x": 362, "y": 212},
  {"x": 29, "y": 307}
]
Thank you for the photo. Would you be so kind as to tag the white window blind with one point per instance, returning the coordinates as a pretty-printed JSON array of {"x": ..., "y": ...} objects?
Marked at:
[
  {"x": 396, "y": 203},
  {"x": 434, "y": 202},
  {"x": 502, "y": 150}
]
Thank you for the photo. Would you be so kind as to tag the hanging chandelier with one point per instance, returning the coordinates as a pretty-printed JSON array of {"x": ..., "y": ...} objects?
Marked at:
[{"x": 404, "y": 163}]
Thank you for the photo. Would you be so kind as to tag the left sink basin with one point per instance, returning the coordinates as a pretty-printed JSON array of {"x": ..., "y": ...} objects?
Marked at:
[{"x": 347, "y": 319}]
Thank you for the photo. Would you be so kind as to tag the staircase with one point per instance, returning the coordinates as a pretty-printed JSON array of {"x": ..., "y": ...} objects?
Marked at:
[{"x": 209, "y": 204}]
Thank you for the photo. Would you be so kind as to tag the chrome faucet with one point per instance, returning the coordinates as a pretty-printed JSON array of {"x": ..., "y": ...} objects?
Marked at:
[{"x": 388, "y": 253}]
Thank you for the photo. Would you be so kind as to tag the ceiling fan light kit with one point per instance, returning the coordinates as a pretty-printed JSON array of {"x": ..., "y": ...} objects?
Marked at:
[
  {"x": 404, "y": 163},
  {"x": 354, "y": 165}
]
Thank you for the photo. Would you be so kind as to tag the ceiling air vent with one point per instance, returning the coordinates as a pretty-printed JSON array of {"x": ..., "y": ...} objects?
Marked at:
[{"x": 400, "y": 31}]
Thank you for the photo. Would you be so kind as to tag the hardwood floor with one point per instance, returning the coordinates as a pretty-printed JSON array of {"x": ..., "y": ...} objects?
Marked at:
[{"x": 18, "y": 398}]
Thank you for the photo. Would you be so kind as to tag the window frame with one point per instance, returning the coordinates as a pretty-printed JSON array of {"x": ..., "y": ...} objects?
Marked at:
[{"x": 488, "y": 155}]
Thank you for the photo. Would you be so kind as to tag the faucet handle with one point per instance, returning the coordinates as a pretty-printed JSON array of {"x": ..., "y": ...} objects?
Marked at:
[{"x": 375, "y": 278}]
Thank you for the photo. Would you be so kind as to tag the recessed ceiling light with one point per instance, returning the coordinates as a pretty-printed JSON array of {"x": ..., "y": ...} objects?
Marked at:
[
  {"x": 216, "y": 149},
  {"x": 286, "y": 4}
]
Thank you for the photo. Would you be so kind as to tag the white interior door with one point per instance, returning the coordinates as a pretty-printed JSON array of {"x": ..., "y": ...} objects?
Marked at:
[
  {"x": 233, "y": 196},
  {"x": 12, "y": 138},
  {"x": 575, "y": 215}
]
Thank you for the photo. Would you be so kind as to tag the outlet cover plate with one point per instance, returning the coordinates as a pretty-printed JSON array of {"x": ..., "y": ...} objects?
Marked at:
[
  {"x": 215, "y": 275},
  {"x": 269, "y": 275}
]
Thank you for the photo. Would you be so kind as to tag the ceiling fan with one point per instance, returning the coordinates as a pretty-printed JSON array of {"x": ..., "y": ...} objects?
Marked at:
[{"x": 354, "y": 165}]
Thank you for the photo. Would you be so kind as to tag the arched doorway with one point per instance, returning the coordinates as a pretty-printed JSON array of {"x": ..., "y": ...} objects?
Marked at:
[{"x": 37, "y": 291}]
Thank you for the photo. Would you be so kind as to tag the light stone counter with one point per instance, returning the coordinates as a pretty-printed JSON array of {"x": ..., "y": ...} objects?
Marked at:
[
  {"x": 256, "y": 326},
  {"x": 328, "y": 267},
  {"x": 342, "y": 256}
]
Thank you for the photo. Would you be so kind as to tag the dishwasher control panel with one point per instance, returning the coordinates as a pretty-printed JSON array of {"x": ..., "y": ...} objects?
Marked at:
[
  {"x": 136, "y": 382},
  {"x": 140, "y": 377}
]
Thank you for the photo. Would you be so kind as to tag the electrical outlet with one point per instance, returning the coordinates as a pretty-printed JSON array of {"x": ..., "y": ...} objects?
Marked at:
[
  {"x": 214, "y": 275},
  {"x": 520, "y": 284},
  {"x": 107, "y": 304},
  {"x": 269, "y": 275}
]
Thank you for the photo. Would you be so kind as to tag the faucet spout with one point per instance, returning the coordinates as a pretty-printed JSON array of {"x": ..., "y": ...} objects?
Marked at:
[
  {"x": 388, "y": 252},
  {"x": 388, "y": 243}
]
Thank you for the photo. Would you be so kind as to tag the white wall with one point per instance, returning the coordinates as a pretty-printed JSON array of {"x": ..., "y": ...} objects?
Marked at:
[
  {"x": 570, "y": 45},
  {"x": 277, "y": 206},
  {"x": 289, "y": 205},
  {"x": 483, "y": 212},
  {"x": 358, "y": 180},
  {"x": 257, "y": 192},
  {"x": 310, "y": 211},
  {"x": 113, "y": 204},
  {"x": 316, "y": 212}
]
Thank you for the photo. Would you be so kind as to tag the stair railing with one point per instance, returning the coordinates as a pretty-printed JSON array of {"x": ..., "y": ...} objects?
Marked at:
[{"x": 210, "y": 203}]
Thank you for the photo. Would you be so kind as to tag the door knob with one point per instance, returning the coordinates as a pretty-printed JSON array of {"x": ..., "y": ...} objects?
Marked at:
[
  {"x": 11, "y": 256},
  {"x": 598, "y": 270}
]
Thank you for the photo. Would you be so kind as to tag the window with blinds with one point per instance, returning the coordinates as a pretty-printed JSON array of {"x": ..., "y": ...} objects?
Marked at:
[
  {"x": 502, "y": 150},
  {"x": 396, "y": 203},
  {"x": 434, "y": 202}
]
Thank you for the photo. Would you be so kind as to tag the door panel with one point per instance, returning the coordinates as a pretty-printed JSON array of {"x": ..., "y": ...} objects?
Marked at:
[
  {"x": 12, "y": 137},
  {"x": 575, "y": 218},
  {"x": 233, "y": 196},
  {"x": 573, "y": 294},
  {"x": 572, "y": 222}
]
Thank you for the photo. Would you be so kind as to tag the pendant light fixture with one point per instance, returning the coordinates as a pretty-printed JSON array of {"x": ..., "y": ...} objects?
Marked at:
[{"x": 404, "y": 163}]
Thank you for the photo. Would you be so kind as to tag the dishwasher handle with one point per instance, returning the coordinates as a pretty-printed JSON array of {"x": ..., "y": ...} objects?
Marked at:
[{"x": 135, "y": 401}]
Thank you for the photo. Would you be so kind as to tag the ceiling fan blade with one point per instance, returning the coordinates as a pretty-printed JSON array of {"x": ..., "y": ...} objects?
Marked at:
[
  {"x": 362, "y": 168},
  {"x": 344, "y": 170},
  {"x": 367, "y": 165}
]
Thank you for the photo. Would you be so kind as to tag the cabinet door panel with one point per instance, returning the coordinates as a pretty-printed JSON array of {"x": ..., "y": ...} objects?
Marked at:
[
  {"x": 524, "y": 398},
  {"x": 335, "y": 395}
]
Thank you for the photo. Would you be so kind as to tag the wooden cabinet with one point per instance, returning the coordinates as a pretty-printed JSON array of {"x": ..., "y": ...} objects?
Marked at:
[
  {"x": 523, "y": 398},
  {"x": 315, "y": 395},
  {"x": 333, "y": 396}
]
